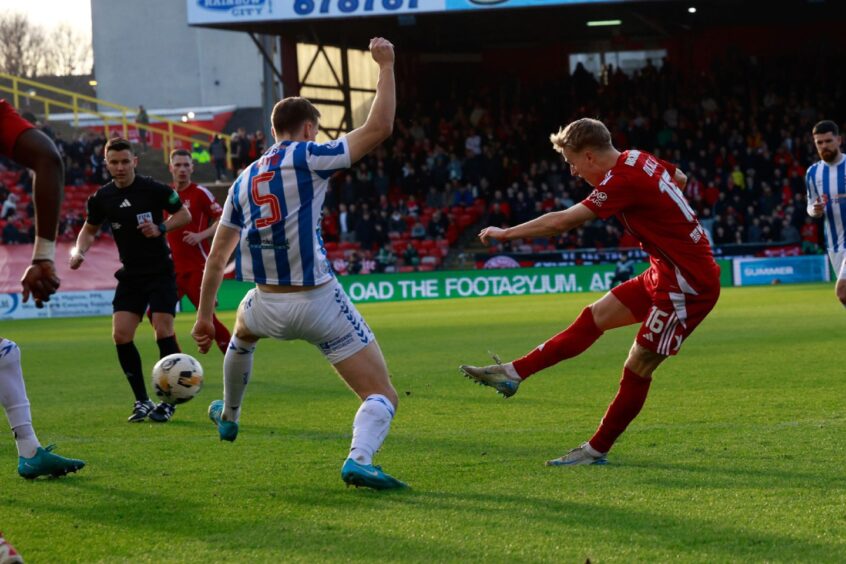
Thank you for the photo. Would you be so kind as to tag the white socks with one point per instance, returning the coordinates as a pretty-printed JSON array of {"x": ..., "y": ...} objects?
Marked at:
[
  {"x": 14, "y": 401},
  {"x": 237, "y": 367},
  {"x": 370, "y": 427}
]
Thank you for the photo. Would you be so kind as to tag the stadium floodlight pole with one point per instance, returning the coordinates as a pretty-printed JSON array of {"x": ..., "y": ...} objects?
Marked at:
[
  {"x": 269, "y": 94},
  {"x": 267, "y": 46}
]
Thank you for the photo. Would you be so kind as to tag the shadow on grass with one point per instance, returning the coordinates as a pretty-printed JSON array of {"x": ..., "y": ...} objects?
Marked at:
[{"x": 333, "y": 523}]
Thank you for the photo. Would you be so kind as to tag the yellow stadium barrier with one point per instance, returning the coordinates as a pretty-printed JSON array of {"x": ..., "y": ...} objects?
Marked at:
[{"x": 83, "y": 106}]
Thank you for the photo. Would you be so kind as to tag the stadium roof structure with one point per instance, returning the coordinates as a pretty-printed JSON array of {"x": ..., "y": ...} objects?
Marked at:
[
  {"x": 470, "y": 30},
  {"x": 544, "y": 21}
]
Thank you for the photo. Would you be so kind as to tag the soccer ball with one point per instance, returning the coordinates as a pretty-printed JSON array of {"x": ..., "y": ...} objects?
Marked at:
[{"x": 177, "y": 378}]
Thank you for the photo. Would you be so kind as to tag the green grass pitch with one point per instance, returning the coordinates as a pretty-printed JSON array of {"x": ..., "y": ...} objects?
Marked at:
[{"x": 738, "y": 455}]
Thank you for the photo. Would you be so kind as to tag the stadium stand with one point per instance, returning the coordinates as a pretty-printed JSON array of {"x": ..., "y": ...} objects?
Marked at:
[{"x": 741, "y": 131}]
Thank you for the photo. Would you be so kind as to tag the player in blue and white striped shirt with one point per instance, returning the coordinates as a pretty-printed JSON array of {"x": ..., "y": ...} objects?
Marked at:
[
  {"x": 826, "y": 184},
  {"x": 271, "y": 220}
]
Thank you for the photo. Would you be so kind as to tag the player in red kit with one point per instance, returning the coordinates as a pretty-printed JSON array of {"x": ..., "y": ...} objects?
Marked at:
[
  {"x": 190, "y": 245},
  {"x": 20, "y": 141},
  {"x": 669, "y": 300}
]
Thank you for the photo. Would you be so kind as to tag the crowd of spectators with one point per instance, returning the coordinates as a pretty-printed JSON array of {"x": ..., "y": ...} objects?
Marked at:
[
  {"x": 472, "y": 151},
  {"x": 741, "y": 132},
  {"x": 85, "y": 171}
]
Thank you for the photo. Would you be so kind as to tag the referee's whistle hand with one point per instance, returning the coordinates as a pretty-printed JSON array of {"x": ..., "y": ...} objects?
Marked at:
[{"x": 150, "y": 230}]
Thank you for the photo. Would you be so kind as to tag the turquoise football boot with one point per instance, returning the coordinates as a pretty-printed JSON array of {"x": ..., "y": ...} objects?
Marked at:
[
  {"x": 45, "y": 463},
  {"x": 228, "y": 430},
  {"x": 369, "y": 476},
  {"x": 498, "y": 376},
  {"x": 579, "y": 456}
]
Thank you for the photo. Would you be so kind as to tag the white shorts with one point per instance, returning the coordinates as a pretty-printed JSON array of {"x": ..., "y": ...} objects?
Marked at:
[
  {"x": 324, "y": 317},
  {"x": 838, "y": 263}
]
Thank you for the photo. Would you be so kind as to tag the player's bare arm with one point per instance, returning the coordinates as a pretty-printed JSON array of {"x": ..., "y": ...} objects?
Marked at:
[
  {"x": 380, "y": 120},
  {"x": 680, "y": 178},
  {"x": 223, "y": 245},
  {"x": 177, "y": 220},
  {"x": 547, "y": 225},
  {"x": 83, "y": 242},
  {"x": 36, "y": 151},
  {"x": 195, "y": 239}
]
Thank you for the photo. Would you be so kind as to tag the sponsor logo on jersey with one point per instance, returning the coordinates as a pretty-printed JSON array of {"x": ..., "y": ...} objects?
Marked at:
[
  {"x": 598, "y": 197},
  {"x": 269, "y": 244},
  {"x": 125, "y": 204},
  {"x": 115, "y": 226}
]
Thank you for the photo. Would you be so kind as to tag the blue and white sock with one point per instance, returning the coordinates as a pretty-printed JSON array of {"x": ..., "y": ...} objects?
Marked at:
[
  {"x": 14, "y": 400},
  {"x": 370, "y": 427},
  {"x": 237, "y": 368}
]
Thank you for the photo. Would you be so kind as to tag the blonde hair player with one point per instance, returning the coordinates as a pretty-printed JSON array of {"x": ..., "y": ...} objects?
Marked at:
[{"x": 669, "y": 300}]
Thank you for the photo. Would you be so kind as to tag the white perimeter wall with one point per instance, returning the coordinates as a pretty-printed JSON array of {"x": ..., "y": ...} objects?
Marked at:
[{"x": 145, "y": 53}]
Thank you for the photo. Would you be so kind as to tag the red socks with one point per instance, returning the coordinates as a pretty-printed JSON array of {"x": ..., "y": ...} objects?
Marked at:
[
  {"x": 573, "y": 341},
  {"x": 622, "y": 411},
  {"x": 221, "y": 334}
]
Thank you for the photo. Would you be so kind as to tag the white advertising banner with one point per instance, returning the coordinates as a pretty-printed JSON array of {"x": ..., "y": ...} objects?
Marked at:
[
  {"x": 63, "y": 304},
  {"x": 243, "y": 11},
  {"x": 210, "y": 12}
]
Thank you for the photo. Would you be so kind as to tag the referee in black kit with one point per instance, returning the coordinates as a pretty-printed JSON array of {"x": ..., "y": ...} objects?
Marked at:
[{"x": 133, "y": 206}]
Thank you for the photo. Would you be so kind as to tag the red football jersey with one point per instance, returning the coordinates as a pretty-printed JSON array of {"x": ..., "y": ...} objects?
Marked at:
[
  {"x": 11, "y": 127},
  {"x": 204, "y": 211},
  {"x": 640, "y": 191}
]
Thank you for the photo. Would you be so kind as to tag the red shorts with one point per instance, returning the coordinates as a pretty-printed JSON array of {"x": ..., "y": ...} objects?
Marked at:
[
  {"x": 188, "y": 284},
  {"x": 668, "y": 314},
  {"x": 11, "y": 127}
]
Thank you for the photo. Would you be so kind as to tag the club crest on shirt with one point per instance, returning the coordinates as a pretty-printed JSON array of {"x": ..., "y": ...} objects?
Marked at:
[
  {"x": 598, "y": 197},
  {"x": 146, "y": 217}
]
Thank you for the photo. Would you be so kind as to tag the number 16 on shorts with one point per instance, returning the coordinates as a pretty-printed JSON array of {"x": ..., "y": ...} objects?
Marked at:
[{"x": 662, "y": 332}]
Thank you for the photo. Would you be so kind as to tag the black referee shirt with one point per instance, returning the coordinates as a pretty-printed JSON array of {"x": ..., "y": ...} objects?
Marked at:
[{"x": 125, "y": 209}]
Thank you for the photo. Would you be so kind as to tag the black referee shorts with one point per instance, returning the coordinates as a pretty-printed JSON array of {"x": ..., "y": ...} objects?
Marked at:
[{"x": 135, "y": 292}]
